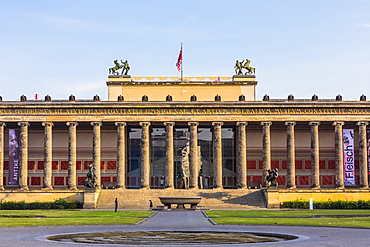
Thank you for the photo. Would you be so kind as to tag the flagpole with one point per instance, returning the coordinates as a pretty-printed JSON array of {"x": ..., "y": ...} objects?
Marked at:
[{"x": 182, "y": 64}]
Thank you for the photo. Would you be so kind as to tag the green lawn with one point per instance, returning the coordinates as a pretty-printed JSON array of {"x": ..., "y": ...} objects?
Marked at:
[
  {"x": 292, "y": 217},
  {"x": 16, "y": 218}
]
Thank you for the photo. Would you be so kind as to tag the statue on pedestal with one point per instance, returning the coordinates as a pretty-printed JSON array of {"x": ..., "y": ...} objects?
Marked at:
[
  {"x": 271, "y": 178},
  {"x": 125, "y": 66},
  {"x": 90, "y": 182}
]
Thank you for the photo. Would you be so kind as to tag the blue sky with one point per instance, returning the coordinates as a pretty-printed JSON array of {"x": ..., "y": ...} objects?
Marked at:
[{"x": 301, "y": 47}]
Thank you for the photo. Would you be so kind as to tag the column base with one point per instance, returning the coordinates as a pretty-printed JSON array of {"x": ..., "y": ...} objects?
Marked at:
[
  {"x": 315, "y": 187},
  {"x": 25, "y": 188},
  {"x": 47, "y": 188},
  {"x": 292, "y": 188},
  {"x": 218, "y": 188},
  {"x": 2, "y": 188},
  {"x": 145, "y": 188},
  {"x": 364, "y": 187},
  {"x": 169, "y": 188},
  {"x": 340, "y": 187},
  {"x": 72, "y": 188},
  {"x": 120, "y": 187}
]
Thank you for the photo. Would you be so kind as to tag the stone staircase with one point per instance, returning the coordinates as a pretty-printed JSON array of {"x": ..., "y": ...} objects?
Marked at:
[{"x": 212, "y": 199}]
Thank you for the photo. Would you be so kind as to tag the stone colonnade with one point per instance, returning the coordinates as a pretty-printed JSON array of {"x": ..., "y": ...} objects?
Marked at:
[{"x": 241, "y": 154}]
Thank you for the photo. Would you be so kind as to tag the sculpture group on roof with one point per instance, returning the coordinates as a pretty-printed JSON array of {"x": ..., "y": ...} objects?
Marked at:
[
  {"x": 239, "y": 66},
  {"x": 125, "y": 66}
]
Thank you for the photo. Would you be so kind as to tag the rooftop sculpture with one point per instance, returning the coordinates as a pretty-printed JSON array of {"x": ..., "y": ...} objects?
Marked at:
[
  {"x": 239, "y": 66},
  {"x": 125, "y": 66}
]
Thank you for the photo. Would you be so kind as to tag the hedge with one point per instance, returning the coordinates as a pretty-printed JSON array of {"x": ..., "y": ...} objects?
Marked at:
[
  {"x": 57, "y": 204},
  {"x": 304, "y": 204}
]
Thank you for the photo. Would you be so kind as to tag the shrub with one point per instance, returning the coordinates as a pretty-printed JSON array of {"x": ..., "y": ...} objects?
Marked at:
[
  {"x": 57, "y": 204},
  {"x": 329, "y": 204}
]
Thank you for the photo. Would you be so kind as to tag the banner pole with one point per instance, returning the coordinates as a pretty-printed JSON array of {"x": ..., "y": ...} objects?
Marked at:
[{"x": 182, "y": 63}]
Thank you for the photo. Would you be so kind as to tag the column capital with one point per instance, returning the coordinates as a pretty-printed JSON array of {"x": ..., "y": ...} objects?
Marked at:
[
  {"x": 98, "y": 123},
  {"x": 290, "y": 123},
  {"x": 362, "y": 123},
  {"x": 241, "y": 123},
  {"x": 169, "y": 123},
  {"x": 2, "y": 124},
  {"x": 47, "y": 124},
  {"x": 193, "y": 123},
  {"x": 72, "y": 123},
  {"x": 338, "y": 123},
  {"x": 120, "y": 123},
  {"x": 144, "y": 124},
  {"x": 217, "y": 123},
  {"x": 22, "y": 124},
  {"x": 314, "y": 123},
  {"x": 266, "y": 123}
]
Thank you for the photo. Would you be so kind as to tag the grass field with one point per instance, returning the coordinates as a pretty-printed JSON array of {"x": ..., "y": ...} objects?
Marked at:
[
  {"x": 14, "y": 218},
  {"x": 344, "y": 218}
]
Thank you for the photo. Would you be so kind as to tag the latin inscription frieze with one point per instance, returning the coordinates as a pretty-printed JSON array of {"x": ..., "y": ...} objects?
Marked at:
[{"x": 182, "y": 111}]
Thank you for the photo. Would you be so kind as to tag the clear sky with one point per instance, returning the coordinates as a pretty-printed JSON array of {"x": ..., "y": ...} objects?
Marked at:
[{"x": 301, "y": 47}]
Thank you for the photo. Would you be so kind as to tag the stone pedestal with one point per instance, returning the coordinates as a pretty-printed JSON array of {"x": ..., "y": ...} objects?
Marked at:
[{"x": 91, "y": 198}]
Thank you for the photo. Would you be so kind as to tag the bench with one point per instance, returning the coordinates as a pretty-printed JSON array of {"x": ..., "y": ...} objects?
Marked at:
[
  {"x": 180, "y": 201},
  {"x": 254, "y": 185},
  {"x": 109, "y": 185}
]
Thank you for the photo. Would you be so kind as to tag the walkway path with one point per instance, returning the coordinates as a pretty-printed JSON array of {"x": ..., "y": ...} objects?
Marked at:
[{"x": 186, "y": 220}]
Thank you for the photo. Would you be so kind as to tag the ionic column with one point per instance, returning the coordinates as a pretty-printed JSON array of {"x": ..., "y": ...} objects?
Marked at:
[
  {"x": 266, "y": 152},
  {"x": 121, "y": 154},
  {"x": 291, "y": 184},
  {"x": 315, "y": 155},
  {"x": 23, "y": 155},
  {"x": 241, "y": 155},
  {"x": 169, "y": 155},
  {"x": 217, "y": 154},
  {"x": 193, "y": 156},
  {"x": 364, "y": 180},
  {"x": 72, "y": 155},
  {"x": 2, "y": 124},
  {"x": 339, "y": 180},
  {"x": 145, "y": 155},
  {"x": 96, "y": 151},
  {"x": 48, "y": 155}
]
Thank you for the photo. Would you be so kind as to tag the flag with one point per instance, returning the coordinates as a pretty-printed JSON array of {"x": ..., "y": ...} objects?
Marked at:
[
  {"x": 179, "y": 60},
  {"x": 36, "y": 96}
]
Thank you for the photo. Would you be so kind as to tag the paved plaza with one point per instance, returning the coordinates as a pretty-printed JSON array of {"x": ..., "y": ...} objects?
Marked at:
[{"x": 190, "y": 220}]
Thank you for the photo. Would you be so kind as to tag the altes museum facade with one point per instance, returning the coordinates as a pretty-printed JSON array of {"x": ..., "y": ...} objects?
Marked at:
[{"x": 207, "y": 137}]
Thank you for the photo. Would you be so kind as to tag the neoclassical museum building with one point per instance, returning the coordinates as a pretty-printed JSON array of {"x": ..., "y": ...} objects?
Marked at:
[{"x": 207, "y": 137}]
